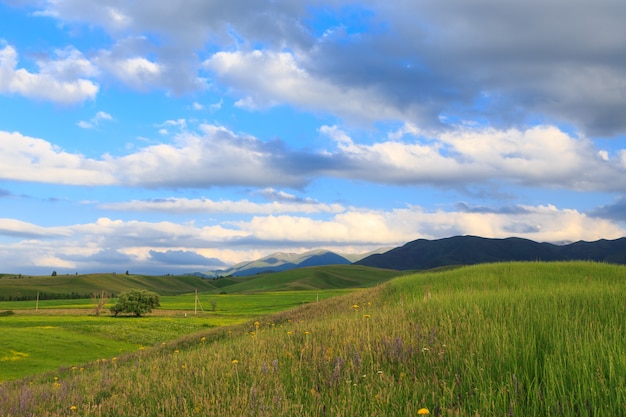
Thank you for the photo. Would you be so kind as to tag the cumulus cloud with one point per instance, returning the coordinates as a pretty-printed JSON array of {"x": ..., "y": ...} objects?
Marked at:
[
  {"x": 541, "y": 156},
  {"x": 501, "y": 63},
  {"x": 268, "y": 78},
  {"x": 109, "y": 244},
  {"x": 24, "y": 158},
  {"x": 59, "y": 80}
]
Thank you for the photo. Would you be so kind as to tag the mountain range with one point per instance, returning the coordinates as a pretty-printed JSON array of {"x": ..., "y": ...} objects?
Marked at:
[
  {"x": 467, "y": 250},
  {"x": 422, "y": 254},
  {"x": 281, "y": 261}
]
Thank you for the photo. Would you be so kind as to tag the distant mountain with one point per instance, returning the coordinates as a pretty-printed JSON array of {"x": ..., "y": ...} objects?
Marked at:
[
  {"x": 467, "y": 250},
  {"x": 280, "y": 261}
]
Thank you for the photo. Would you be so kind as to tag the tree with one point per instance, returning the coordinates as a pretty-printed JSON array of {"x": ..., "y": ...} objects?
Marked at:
[
  {"x": 100, "y": 301},
  {"x": 54, "y": 273},
  {"x": 136, "y": 302}
]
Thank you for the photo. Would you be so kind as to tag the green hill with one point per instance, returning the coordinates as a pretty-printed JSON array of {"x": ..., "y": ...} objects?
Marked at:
[
  {"x": 81, "y": 286},
  {"x": 515, "y": 339},
  {"x": 311, "y": 278}
]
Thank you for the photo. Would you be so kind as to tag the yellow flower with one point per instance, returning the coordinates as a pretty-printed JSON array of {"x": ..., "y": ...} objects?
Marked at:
[
  {"x": 235, "y": 362},
  {"x": 367, "y": 316},
  {"x": 176, "y": 351},
  {"x": 73, "y": 408},
  {"x": 203, "y": 339},
  {"x": 355, "y": 306},
  {"x": 423, "y": 411},
  {"x": 256, "y": 324}
]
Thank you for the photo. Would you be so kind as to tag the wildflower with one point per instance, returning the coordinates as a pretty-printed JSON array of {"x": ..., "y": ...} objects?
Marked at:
[
  {"x": 256, "y": 324},
  {"x": 367, "y": 316},
  {"x": 235, "y": 362},
  {"x": 73, "y": 408},
  {"x": 307, "y": 333},
  {"x": 355, "y": 306},
  {"x": 289, "y": 332},
  {"x": 176, "y": 351},
  {"x": 203, "y": 339},
  {"x": 423, "y": 411}
]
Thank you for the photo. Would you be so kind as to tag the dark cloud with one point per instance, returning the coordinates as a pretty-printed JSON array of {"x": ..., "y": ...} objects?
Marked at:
[
  {"x": 111, "y": 258},
  {"x": 615, "y": 211},
  {"x": 182, "y": 257},
  {"x": 502, "y": 62},
  {"x": 505, "y": 62},
  {"x": 466, "y": 208}
]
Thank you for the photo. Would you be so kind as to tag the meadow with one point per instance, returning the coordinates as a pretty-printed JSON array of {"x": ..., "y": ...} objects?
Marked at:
[{"x": 508, "y": 339}]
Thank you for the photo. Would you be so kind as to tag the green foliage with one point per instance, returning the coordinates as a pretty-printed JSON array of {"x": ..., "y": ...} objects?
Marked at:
[
  {"x": 136, "y": 302},
  {"x": 54, "y": 273}
]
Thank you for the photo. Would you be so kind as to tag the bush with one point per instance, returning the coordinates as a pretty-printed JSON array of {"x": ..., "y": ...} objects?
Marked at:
[{"x": 136, "y": 302}]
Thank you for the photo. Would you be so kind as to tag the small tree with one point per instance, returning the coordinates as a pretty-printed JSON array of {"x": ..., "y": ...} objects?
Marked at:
[
  {"x": 136, "y": 302},
  {"x": 54, "y": 273},
  {"x": 100, "y": 301}
]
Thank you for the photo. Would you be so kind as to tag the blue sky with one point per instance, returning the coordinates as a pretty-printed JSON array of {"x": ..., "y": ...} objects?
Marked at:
[{"x": 178, "y": 136}]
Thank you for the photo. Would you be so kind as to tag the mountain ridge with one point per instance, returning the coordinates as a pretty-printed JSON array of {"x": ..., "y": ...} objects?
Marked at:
[{"x": 467, "y": 250}]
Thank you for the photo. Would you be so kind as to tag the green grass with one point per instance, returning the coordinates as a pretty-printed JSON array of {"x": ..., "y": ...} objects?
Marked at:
[
  {"x": 511, "y": 339},
  {"x": 34, "y": 342}
]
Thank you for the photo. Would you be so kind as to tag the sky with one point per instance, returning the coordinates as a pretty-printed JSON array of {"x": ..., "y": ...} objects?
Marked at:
[{"x": 188, "y": 135}]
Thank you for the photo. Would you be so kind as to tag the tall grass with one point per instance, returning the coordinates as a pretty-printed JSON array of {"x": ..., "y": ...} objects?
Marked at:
[{"x": 514, "y": 339}]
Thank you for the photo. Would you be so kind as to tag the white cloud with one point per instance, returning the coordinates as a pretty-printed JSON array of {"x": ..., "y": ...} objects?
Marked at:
[
  {"x": 95, "y": 121},
  {"x": 24, "y": 158},
  {"x": 58, "y": 80},
  {"x": 80, "y": 247},
  {"x": 135, "y": 71},
  {"x": 269, "y": 78},
  {"x": 184, "y": 205},
  {"x": 541, "y": 156}
]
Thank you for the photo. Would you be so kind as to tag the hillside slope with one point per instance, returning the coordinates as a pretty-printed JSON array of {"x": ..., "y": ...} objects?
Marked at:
[{"x": 483, "y": 340}]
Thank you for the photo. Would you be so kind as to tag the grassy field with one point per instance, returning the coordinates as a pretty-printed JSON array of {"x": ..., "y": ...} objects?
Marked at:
[
  {"x": 510, "y": 339},
  {"x": 33, "y": 342},
  {"x": 16, "y": 287}
]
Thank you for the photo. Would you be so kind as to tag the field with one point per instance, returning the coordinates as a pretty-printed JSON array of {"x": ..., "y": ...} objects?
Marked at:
[{"x": 510, "y": 339}]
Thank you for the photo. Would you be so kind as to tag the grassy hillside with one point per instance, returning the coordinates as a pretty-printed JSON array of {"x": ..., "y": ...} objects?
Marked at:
[
  {"x": 515, "y": 339},
  {"x": 82, "y": 285},
  {"x": 312, "y": 278}
]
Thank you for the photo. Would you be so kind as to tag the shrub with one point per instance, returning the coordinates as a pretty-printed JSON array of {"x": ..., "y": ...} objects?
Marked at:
[{"x": 136, "y": 302}]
